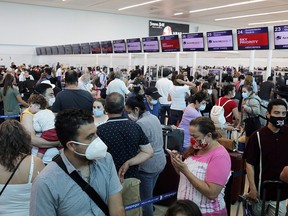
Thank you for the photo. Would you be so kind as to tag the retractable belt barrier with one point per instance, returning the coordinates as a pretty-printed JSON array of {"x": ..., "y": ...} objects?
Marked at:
[
  {"x": 149, "y": 201},
  {"x": 9, "y": 116}
]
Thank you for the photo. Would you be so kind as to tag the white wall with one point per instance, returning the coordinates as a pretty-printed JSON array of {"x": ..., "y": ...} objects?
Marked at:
[{"x": 25, "y": 26}]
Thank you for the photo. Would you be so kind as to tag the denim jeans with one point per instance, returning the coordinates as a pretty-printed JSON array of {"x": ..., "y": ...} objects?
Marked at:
[
  {"x": 165, "y": 108},
  {"x": 148, "y": 181}
]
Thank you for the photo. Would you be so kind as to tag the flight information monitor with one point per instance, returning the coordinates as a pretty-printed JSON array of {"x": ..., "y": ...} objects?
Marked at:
[
  {"x": 253, "y": 38},
  {"x": 281, "y": 37},
  {"x": 150, "y": 44},
  {"x": 134, "y": 45},
  {"x": 193, "y": 42},
  {"x": 220, "y": 40},
  {"x": 170, "y": 43}
]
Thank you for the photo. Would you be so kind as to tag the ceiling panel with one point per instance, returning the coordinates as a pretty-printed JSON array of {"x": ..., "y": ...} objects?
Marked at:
[{"x": 165, "y": 9}]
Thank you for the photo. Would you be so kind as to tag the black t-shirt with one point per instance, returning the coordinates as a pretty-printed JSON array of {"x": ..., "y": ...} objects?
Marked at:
[
  {"x": 265, "y": 90},
  {"x": 274, "y": 150},
  {"x": 123, "y": 138},
  {"x": 73, "y": 99}
]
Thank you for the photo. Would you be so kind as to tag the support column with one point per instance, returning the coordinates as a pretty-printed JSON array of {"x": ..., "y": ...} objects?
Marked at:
[
  {"x": 177, "y": 61},
  {"x": 145, "y": 62},
  {"x": 194, "y": 63},
  {"x": 252, "y": 61},
  {"x": 269, "y": 65},
  {"x": 129, "y": 61}
]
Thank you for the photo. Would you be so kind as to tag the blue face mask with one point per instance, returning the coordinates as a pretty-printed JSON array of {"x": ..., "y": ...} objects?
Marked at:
[
  {"x": 244, "y": 95},
  {"x": 154, "y": 102},
  {"x": 98, "y": 112}
]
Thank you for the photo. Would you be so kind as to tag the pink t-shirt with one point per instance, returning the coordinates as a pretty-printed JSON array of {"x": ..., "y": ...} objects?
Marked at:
[{"x": 213, "y": 167}]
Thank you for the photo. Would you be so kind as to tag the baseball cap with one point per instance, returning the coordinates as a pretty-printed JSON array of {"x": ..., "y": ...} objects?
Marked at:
[{"x": 153, "y": 92}]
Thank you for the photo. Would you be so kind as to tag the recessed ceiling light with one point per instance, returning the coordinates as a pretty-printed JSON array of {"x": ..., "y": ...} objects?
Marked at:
[
  {"x": 138, "y": 5},
  {"x": 268, "y": 22},
  {"x": 251, "y": 15},
  {"x": 177, "y": 14},
  {"x": 225, "y": 6}
]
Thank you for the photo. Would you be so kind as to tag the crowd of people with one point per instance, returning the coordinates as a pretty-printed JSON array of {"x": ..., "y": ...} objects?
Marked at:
[{"x": 105, "y": 131}]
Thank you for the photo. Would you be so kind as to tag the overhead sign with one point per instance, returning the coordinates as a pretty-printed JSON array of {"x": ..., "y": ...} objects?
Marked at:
[
  {"x": 253, "y": 38},
  {"x": 220, "y": 40},
  {"x": 281, "y": 37},
  {"x": 157, "y": 28}
]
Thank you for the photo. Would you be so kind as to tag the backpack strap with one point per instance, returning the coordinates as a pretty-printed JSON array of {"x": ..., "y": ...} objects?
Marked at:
[
  {"x": 84, "y": 185},
  {"x": 224, "y": 105}
]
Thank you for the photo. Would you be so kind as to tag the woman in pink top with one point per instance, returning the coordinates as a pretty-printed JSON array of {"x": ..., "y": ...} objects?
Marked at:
[{"x": 205, "y": 170}]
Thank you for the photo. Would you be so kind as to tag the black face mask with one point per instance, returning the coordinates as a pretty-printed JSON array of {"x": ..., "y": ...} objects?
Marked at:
[{"x": 277, "y": 122}]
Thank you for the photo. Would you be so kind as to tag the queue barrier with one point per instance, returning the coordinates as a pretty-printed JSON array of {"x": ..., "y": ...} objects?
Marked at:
[
  {"x": 9, "y": 116},
  {"x": 149, "y": 201}
]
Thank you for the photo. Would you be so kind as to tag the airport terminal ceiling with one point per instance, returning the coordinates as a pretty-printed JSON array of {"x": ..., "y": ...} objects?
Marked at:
[{"x": 226, "y": 13}]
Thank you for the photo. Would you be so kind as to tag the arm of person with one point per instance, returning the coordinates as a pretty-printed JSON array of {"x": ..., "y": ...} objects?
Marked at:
[
  {"x": 146, "y": 152},
  {"x": 271, "y": 94},
  {"x": 190, "y": 84},
  {"x": 38, "y": 167},
  {"x": 26, "y": 121},
  {"x": 169, "y": 97},
  {"x": 115, "y": 205},
  {"x": 253, "y": 107},
  {"x": 253, "y": 194},
  {"x": 21, "y": 101},
  {"x": 284, "y": 174},
  {"x": 208, "y": 189}
]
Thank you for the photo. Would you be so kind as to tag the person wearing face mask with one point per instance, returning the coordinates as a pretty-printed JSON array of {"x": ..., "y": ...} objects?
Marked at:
[
  {"x": 205, "y": 169},
  {"x": 86, "y": 154},
  {"x": 206, "y": 88},
  {"x": 151, "y": 100},
  {"x": 191, "y": 112},
  {"x": 149, "y": 170},
  {"x": 230, "y": 108},
  {"x": 273, "y": 152},
  {"x": 26, "y": 119},
  {"x": 98, "y": 112},
  {"x": 251, "y": 109}
]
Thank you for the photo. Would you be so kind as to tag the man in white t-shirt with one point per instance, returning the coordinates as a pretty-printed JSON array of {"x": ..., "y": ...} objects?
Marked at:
[
  {"x": 117, "y": 85},
  {"x": 164, "y": 85}
]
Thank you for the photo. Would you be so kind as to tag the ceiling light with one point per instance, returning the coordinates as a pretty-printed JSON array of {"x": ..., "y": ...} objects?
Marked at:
[
  {"x": 225, "y": 6},
  {"x": 138, "y": 5},
  {"x": 268, "y": 22},
  {"x": 177, "y": 14},
  {"x": 251, "y": 15}
]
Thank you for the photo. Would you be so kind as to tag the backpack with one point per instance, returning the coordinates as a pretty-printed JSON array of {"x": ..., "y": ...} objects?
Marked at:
[{"x": 217, "y": 114}]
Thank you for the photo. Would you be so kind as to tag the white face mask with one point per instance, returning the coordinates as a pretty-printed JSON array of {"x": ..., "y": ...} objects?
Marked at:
[
  {"x": 51, "y": 101},
  {"x": 132, "y": 117},
  {"x": 202, "y": 107},
  {"x": 209, "y": 91},
  {"x": 95, "y": 150}
]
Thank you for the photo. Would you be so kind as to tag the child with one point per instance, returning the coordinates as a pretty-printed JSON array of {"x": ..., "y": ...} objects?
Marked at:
[{"x": 43, "y": 122}]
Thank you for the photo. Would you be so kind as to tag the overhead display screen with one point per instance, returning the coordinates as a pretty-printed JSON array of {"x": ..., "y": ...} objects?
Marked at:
[
  {"x": 76, "y": 48},
  {"x": 95, "y": 47},
  {"x": 54, "y": 50},
  {"x": 134, "y": 45},
  {"x": 48, "y": 51},
  {"x": 61, "y": 50},
  {"x": 170, "y": 43},
  {"x": 150, "y": 44},
  {"x": 85, "y": 48},
  {"x": 68, "y": 49},
  {"x": 38, "y": 51},
  {"x": 281, "y": 37},
  {"x": 106, "y": 47},
  {"x": 119, "y": 46},
  {"x": 193, "y": 42},
  {"x": 220, "y": 40},
  {"x": 253, "y": 38}
]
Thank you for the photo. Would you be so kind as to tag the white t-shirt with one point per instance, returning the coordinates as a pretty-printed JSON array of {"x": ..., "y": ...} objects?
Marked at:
[
  {"x": 164, "y": 85},
  {"x": 43, "y": 120},
  {"x": 178, "y": 94},
  {"x": 117, "y": 85}
]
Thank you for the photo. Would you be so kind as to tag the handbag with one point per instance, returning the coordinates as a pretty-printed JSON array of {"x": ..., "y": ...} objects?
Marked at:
[
  {"x": 11, "y": 176},
  {"x": 84, "y": 185}
]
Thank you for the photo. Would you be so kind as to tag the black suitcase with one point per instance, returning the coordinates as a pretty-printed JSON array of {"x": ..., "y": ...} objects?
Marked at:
[{"x": 173, "y": 138}]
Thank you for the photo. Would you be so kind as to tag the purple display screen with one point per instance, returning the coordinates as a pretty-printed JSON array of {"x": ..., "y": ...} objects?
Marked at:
[
  {"x": 150, "y": 44},
  {"x": 134, "y": 45},
  {"x": 106, "y": 47},
  {"x": 119, "y": 46},
  {"x": 220, "y": 40},
  {"x": 193, "y": 42},
  {"x": 281, "y": 37}
]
